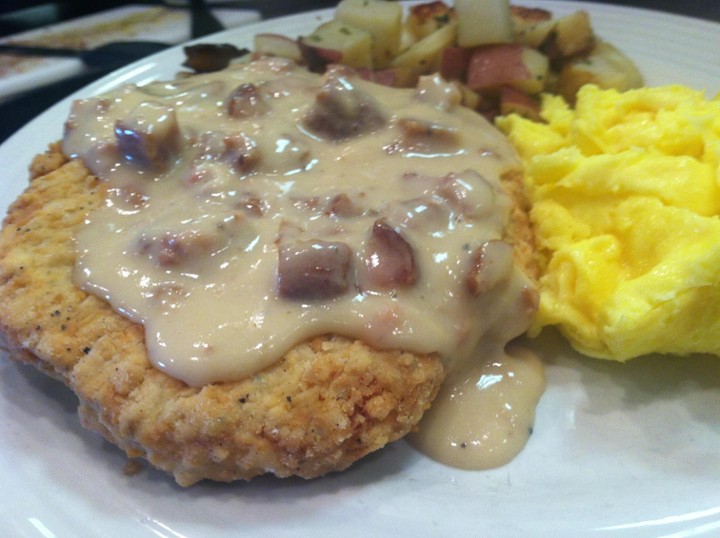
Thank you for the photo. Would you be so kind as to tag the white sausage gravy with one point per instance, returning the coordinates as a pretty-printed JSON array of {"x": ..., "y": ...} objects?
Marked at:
[{"x": 251, "y": 209}]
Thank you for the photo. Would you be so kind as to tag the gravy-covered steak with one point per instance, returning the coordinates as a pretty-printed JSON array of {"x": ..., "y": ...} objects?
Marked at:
[{"x": 264, "y": 270}]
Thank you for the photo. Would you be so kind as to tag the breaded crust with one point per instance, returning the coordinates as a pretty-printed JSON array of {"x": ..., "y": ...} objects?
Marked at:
[
  {"x": 326, "y": 404},
  {"x": 520, "y": 232}
]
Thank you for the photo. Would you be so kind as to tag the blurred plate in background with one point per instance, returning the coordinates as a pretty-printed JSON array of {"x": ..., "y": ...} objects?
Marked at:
[{"x": 18, "y": 73}]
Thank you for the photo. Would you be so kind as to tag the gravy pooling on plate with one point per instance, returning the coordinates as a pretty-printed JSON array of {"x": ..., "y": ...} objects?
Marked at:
[{"x": 251, "y": 209}]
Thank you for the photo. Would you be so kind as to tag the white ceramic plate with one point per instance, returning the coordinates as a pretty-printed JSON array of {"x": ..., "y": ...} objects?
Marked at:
[{"x": 618, "y": 450}]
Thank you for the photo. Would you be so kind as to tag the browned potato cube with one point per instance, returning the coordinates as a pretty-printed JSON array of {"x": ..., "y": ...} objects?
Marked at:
[
  {"x": 606, "y": 66},
  {"x": 424, "y": 19}
]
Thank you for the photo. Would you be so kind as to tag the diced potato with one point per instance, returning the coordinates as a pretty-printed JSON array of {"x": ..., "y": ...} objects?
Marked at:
[
  {"x": 558, "y": 38},
  {"x": 424, "y": 56},
  {"x": 424, "y": 19},
  {"x": 525, "y": 17},
  {"x": 482, "y": 22},
  {"x": 534, "y": 34},
  {"x": 606, "y": 66},
  {"x": 277, "y": 45},
  {"x": 407, "y": 38},
  {"x": 470, "y": 99},
  {"x": 572, "y": 34},
  {"x": 354, "y": 45},
  {"x": 509, "y": 64},
  {"x": 531, "y": 25},
  {"x": 382, "y": 19}
]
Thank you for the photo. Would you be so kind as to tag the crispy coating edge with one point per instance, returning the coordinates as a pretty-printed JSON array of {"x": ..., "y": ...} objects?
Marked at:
[
  {"x": 520, "y": 232},
  {"x": 327, "y": 403}
]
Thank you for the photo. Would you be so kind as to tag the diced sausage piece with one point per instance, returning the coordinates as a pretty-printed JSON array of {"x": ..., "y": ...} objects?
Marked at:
[
  {"x": 189, "y": 240},
  {"x": 341, "y": 205},
  {"x": 491, "y": 264},
  {"x": 149, "y": 136},
  {"x": 245, "y": 101},
  {"x": 342, "y": 111},
  {"x": 251, "y": 205},
  {"x": 388, "y": 259},
  {"x": 469, "y": 195},
  {"x": 235, "y": 149},
  {"x": 418, "y": 136},
  {"x": 313, "y": 269},
  {"x": 240, "y": 152},
  {"x": 175, "y": 248}
]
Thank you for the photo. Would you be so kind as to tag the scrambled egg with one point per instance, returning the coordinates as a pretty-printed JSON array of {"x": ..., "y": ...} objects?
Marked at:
[{"x": 626, "y": 198}]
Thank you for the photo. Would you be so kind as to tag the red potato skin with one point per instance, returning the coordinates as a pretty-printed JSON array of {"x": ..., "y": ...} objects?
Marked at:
[
  {"x": 454, "y": 63},
  {"x": 514, "y": 101},
  {"x": 494, "y": 66},
  {"x": 318, "y": 58},
  {"x": 280, "y": 42}
]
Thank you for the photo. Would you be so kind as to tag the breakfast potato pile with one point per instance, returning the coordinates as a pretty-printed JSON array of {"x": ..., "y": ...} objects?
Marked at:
[{"x": 503, "y": 56}]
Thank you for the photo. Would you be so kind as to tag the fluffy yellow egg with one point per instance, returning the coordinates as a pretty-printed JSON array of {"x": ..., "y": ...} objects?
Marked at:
[{"x": 625, "y": 192}]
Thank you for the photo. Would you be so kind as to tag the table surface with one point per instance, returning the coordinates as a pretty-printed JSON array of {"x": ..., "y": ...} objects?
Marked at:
[{"x": 21, "y": 15}]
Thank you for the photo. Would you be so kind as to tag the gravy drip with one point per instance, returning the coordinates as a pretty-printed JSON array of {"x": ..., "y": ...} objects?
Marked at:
[
  {"x": 251, "y": 209},
  {"x": 483, "y": 416}
]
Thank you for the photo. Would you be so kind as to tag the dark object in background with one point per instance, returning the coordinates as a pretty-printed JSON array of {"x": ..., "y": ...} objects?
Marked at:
[
  {"x": 206, "y": 58},
  {"x": 202, "y": 21}
]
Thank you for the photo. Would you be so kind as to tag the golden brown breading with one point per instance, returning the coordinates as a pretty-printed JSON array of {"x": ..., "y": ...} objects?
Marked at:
[
  {"x": 520, "y": 232},
  {"x": 327, "y": 403}
]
